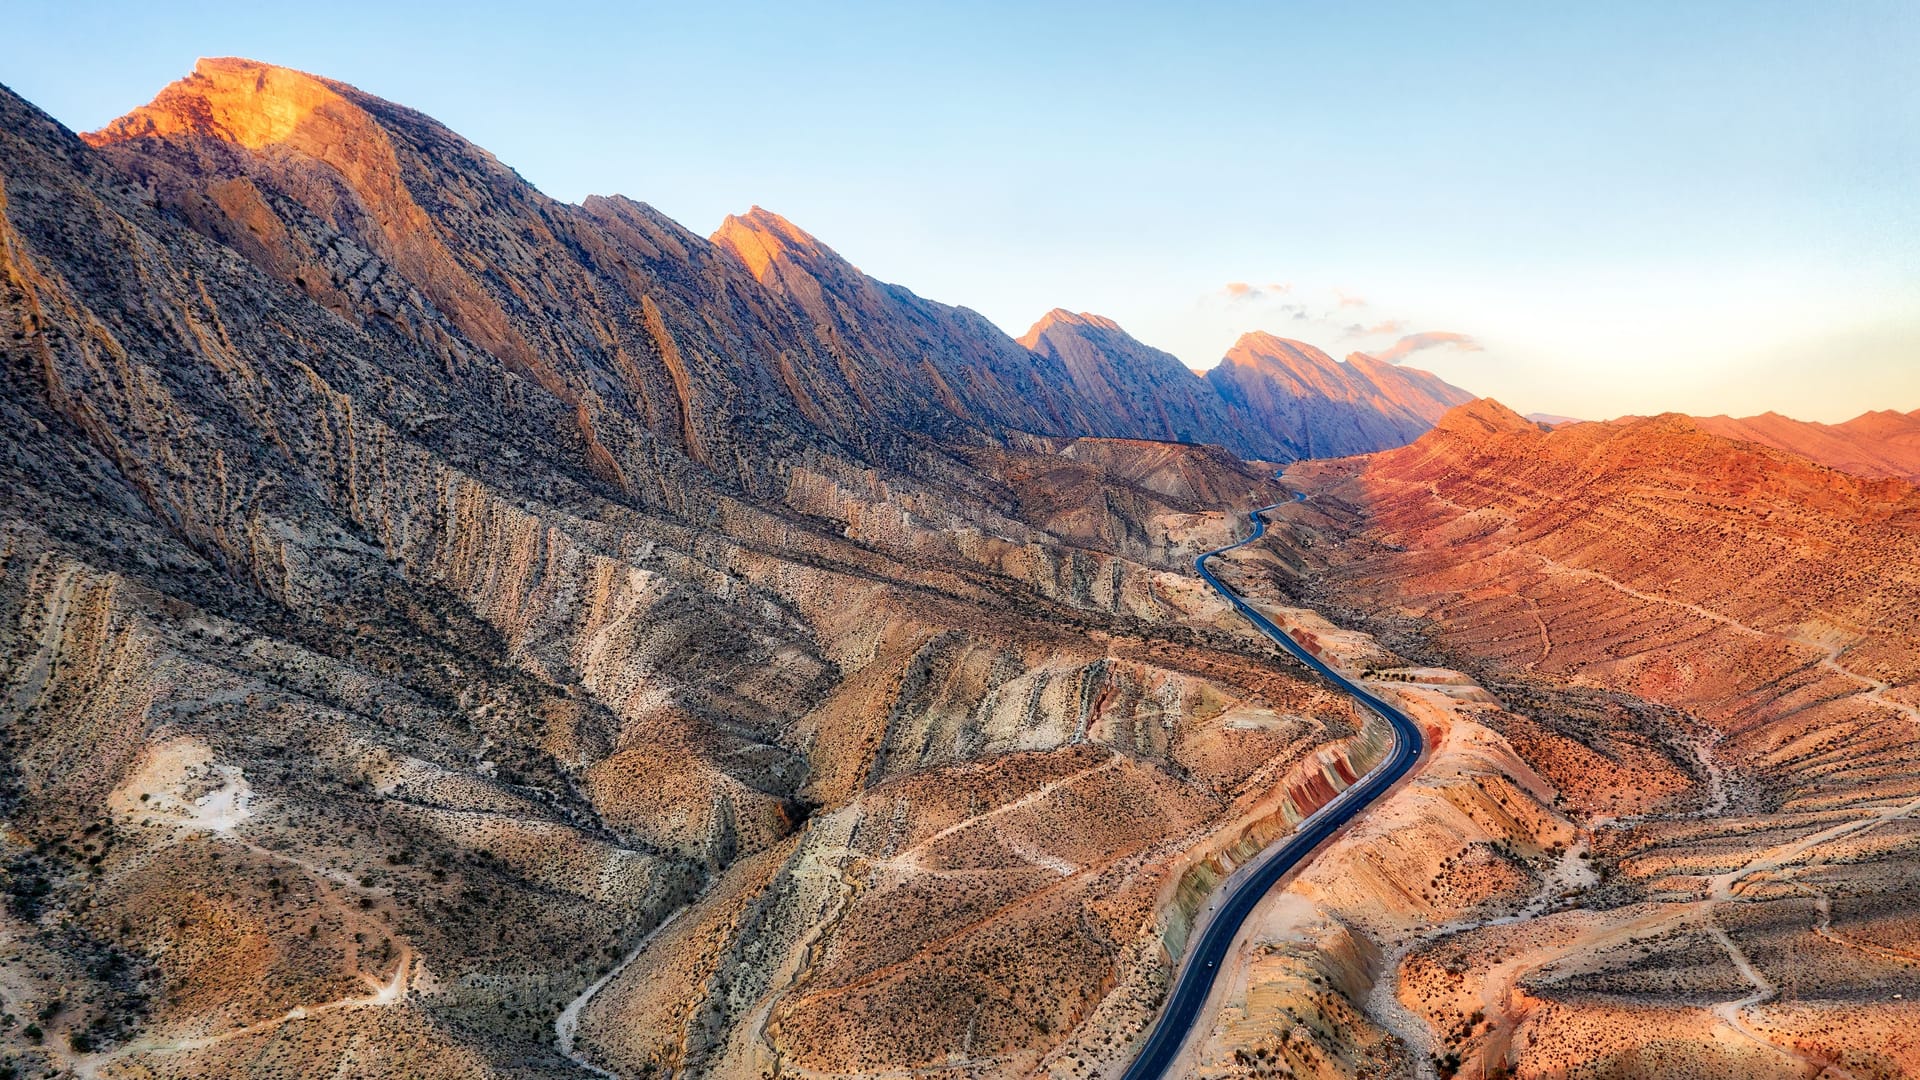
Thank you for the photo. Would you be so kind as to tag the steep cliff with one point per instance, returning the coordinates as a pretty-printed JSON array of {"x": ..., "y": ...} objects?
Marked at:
[
  {"x": 920, "y": 363},
  {"x": 1149, "y": 392},
  {"x": 1314, "y": 406}
]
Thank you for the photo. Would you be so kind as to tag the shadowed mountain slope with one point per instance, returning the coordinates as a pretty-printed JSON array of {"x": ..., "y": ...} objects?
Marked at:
[
  {"x": 761, "y": 336},
  {"x": 1148, "y": 391},
  {"x": 414, "y": 591},
  {"x": 919, "y": 362},
  {"x": 1319, "y": 407},
  {"x": 1271, "y": 398}
]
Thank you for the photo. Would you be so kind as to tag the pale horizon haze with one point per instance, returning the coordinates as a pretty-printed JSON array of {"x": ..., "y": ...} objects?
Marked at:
[{"x": 1588, "y": 212}]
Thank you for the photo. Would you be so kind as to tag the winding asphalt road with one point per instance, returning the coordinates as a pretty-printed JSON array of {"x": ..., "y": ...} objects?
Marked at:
[{"x": 1206, "y": 952}]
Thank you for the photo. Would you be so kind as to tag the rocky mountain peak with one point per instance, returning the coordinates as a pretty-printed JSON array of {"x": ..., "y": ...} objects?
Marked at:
[
  {"x": 760, "y": 238},
  {"x": 1064, "y": 319},
  {"x": 1259, "y": 349},
  {"x": 308, "y": 177},
  {"x": 239, "y": 101},
  {"x": 1483, "y": 417}
]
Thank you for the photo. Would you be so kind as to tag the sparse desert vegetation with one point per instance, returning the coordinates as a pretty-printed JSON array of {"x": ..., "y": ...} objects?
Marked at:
[
  {"x": 450, "y": 632},
  {"x": 1686, "y": 659}
]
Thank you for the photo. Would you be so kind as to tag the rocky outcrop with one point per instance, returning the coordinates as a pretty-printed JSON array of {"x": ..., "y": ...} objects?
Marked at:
[
  {"x": 1311, "y": 405},
  {"x": 1146, "y": 392},
  {"x": 631, "y": 329},
  {"x": 1270, "y": 399}
]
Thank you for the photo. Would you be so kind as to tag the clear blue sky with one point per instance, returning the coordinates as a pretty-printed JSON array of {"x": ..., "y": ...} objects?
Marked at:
[{"x": 1629, "y": 208}]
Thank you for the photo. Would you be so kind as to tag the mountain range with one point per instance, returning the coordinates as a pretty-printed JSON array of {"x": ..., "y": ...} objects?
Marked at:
[
  {"x": 333, "y": 190},
  {"x": 419, "y": 591},
  {"x": 446, "y": 631}
]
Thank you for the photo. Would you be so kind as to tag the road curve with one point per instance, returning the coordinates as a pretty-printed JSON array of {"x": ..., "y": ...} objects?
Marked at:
[{"x": 1205, "y": 953}]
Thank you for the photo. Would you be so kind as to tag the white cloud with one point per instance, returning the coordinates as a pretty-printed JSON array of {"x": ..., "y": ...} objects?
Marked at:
[{"x": 1428, "y": 339}]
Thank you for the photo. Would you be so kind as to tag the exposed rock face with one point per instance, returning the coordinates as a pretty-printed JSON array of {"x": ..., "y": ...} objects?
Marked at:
[
  {"x": 918, "y": 362},
  {"x": 1882, "y": 443},
  {"x": 414, "y": 592},
  {"x": 1152, "y": 392},
  {"x": 628, "y": 323},
  {"x": 1313, "y": 406},
  {"x": 640, "y": 327},
  {"x": 1270, "y": 399}
]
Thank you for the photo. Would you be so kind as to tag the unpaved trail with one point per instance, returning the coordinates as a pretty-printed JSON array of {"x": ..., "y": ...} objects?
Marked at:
[
  {"x": 216, "y": 816},
  {"x": 388, "y": 992},
  {"x": 909, "y": 860},
  {"x": 1721, "y": 886},
  {"x": 566, "y": 1026},
  {"x": 1497, "y": 987},
  {"x": 1875, "y": 689},
  {"x": 1734, "y": 1013},
  {"x": 1540, "y": 624},
  {"x": 1823, "y": 926}
]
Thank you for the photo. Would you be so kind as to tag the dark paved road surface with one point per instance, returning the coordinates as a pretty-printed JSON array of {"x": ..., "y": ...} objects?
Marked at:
[{"x": 1206, "y": 952}]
